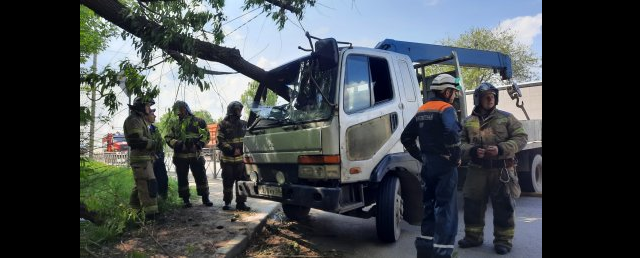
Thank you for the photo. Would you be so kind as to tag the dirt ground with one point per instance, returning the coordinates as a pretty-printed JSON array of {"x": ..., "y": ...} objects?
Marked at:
[
  {"x": 194, "y": 232},
  {"x": 281, "y": 237}
]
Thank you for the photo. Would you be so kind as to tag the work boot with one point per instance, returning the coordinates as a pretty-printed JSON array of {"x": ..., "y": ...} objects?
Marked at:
[
  {"x": 242, "y": 207},
  {"x": 187, "y": 203},
  {"x": 424, "y": 248},
  {"x": 466, "y": 243},
  {"x": 206, "y": 202},
  {"x": 226, "y": 206},
  {"x": 501, "y": 249}
]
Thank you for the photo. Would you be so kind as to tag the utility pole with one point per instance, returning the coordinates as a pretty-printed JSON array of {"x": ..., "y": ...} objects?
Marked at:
[{"x": 92, "y": 124}]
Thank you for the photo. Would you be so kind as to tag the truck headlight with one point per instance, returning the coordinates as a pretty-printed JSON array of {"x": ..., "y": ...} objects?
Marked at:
[
  {"x": 280, "y": 177},
  {"x": 253, "y": 176},
  {"x": 319, "y": 171}
]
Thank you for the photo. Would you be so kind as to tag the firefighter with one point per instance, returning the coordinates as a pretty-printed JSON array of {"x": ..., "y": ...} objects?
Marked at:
[
  {"x": 437, "y": 127},
  {"x": 230, "y": 134},
  {"x": 187, "y": 138},
  {"x": 159, "y": 169},
  {"x": 136, "y": 132},
  {"x": 490, "y": 140}
]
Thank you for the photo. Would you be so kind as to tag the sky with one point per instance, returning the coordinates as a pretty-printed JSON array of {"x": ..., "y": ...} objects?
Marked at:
[{"x": 361, "y": 22}]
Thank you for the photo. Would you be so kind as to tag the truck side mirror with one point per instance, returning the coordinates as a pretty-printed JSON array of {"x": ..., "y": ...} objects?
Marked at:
[{"x": 327, "y": 53}]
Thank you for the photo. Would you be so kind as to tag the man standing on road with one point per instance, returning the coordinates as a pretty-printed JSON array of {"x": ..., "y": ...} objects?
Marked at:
[
  {"x": 437, "y": 127},
  {"x": 230, "y": 135},
  {"x": 187, "y": 138},
  {"x": 490, "y": 140}
]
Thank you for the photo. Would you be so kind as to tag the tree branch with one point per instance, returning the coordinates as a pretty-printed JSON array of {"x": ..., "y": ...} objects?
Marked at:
[
  {"x": 286, "y": 6},
  {"x": 181, "y": 59},
  {"x": 114, "y": 12}
]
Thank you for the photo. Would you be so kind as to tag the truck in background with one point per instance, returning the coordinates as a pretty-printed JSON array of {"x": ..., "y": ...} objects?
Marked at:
[{"x": 115, "y": 142}]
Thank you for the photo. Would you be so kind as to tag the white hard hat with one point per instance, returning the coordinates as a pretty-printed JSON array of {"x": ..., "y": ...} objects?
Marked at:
[{"x": 444, "y": 81}]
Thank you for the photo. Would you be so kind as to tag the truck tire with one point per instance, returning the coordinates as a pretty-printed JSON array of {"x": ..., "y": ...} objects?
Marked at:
[
  {"x": 531, "y": 181},
  {"x": 295, "y": 212},
  {"x": 390, "y": 209}
]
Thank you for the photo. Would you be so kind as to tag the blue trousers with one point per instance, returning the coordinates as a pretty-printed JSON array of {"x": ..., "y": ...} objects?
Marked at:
[{"x": 440, "y": 221}]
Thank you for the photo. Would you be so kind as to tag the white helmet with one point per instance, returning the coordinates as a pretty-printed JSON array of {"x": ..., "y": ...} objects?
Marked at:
[{"x": 444, "y": 81}]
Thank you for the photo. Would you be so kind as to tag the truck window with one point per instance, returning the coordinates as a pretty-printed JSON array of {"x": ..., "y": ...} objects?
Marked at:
[
  {"x": 409, "y": 92},
  {"x": 367, "y": 83}
]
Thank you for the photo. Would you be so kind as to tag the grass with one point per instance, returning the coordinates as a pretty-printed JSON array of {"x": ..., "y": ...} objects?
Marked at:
[{"x": 105, "y": 190}]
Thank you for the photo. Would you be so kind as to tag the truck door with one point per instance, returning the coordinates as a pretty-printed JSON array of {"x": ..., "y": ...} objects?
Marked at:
[
  {"x": 408, "y": 86},
  {"x": 369, "y": 112}
]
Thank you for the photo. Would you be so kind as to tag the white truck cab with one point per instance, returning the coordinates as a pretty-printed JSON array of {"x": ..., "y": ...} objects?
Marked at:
[{"x": 334, "y": 144}]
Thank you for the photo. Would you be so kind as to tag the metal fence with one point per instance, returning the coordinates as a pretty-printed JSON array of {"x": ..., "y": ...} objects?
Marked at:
[{"x": 121, "y": 159}]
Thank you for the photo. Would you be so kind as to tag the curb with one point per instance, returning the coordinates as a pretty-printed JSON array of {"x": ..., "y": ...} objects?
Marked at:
[{"x": 239, "y": 243}]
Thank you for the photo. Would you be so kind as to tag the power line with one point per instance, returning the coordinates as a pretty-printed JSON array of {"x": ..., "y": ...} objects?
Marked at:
[
  {"x": 300, "y": 22},
  {"x": 244, "y": 23},
  {"x": 240, "y": 16},
  {"x": 289, "y": 20},
  {"x": 114, "y": 56},
  {"x": 215, "y": 89},
  {"x": 178, "y": 89},
  {"x": 161, "y": 75}
]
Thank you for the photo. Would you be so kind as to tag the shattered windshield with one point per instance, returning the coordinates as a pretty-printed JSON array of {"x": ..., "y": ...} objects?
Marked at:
[{"x": 299, "y": 98}]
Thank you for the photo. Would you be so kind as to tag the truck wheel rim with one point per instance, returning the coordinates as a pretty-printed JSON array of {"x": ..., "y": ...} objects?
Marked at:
[
  {"x": 398, "y": 209},
  {"x": 538, "y": 176}
]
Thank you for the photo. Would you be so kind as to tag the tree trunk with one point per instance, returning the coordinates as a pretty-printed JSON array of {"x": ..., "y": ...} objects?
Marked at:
[{"x": 113, "y": 11}]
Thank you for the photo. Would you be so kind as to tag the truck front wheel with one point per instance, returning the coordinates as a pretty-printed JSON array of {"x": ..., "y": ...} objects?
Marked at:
[
  {"x": 390, "y": 208},
  {"x": 295, "y": 212}
]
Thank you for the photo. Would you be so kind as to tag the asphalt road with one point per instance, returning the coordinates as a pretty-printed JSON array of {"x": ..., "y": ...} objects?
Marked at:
[{"x": 355, "y": 237}]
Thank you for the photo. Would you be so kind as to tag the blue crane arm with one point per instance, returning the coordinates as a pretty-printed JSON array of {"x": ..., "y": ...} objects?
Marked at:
[{"x": 421, "y": 53}]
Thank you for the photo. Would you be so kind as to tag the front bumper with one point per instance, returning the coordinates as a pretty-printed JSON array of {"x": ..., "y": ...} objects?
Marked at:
[{"x": 322, "y": 198}]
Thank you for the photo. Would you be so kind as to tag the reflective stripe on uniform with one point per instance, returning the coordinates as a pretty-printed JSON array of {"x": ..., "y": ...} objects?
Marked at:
[
  {"x": 473, "y": 229},
  {"x": 136, "y": 159},
  {"x": 135, "y": 131},
  {"x": 442, "y": 246},
  {"x": 452, "y": 145},
  {"x": 231, "y": 159},
  {"x": 504, "y": 231},
  {"x": 426, "y": 237},
  {"x": 150, "y": 209},
  {"x": 234, "y": 140},
  {"x": 518, "y": 131}
]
